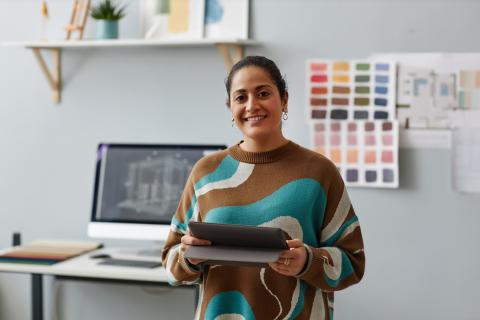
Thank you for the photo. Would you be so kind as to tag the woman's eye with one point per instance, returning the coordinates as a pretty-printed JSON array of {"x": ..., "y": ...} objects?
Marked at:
[
  {"x": 239, "y": 98},
  {"x": 264, "y": 93}
]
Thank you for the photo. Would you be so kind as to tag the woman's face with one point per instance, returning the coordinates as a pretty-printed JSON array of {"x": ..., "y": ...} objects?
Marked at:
[{"x": 256, "y": 104}]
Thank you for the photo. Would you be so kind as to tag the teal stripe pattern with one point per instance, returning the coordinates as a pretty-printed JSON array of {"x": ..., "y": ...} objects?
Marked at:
[
  {"x": 226, "y": 169},
  {"x": 302, "y": 199},
  {"x": 330, "y": 241},
  {"x": 301, "y": 300},
  {"x": 182, "y": 227},
  {"x": 227, "y": 303},
  {"x": 347, "y": 269}
]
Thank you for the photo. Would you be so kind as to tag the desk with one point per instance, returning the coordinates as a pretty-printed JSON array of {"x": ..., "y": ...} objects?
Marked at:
[{"x": 85, "y": 268}]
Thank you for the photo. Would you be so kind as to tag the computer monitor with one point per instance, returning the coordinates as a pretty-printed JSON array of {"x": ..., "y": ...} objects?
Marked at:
[{"x": 138, "y": 188}]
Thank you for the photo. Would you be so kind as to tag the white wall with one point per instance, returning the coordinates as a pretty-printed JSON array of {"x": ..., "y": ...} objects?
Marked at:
[{"x": 421, "y": 246}]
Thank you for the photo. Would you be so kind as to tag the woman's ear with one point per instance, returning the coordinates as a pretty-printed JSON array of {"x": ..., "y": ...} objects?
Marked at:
[{"x": 285, "y": 102}]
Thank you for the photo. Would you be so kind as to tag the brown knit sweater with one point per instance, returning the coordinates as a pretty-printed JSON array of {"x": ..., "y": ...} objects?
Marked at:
[{"x": 291, "y": 188}]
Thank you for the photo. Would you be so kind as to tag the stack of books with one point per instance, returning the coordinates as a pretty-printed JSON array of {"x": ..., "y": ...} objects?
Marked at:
[{"x": 47, "y": 252}]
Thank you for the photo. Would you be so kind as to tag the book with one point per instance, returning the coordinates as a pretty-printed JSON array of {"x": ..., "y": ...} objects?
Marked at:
[{"x": 48, "y": 252}]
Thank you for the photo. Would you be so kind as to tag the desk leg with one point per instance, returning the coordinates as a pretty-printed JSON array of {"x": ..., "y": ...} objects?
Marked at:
[{"x": 37, "y": 297}]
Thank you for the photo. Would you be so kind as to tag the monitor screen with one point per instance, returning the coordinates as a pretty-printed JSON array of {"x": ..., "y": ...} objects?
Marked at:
[{"x": 138, "y": 188}]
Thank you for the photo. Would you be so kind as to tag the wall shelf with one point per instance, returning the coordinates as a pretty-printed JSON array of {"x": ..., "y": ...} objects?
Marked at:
[{"x": 231, "y": 50}]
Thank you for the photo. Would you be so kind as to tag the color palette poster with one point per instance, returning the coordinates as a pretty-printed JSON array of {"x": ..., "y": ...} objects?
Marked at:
[
  {"x": 365, "y": 152},
  {"x": 469, "y": 89},
  {"x": 351, "y": 90},
  {"x": 351, "y": 107}
]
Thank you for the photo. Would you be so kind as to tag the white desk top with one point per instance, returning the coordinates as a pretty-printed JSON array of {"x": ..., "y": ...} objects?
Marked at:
[{"x": 85, "y": 267}]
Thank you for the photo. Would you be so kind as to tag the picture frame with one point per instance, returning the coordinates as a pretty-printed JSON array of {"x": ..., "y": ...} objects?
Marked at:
[
  {"x": 226, "y": 19},
  {"x": 167, "y": 19}
]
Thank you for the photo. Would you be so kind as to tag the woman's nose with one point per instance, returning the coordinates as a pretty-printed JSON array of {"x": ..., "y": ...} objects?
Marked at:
[{"x": 251, "y": 104}]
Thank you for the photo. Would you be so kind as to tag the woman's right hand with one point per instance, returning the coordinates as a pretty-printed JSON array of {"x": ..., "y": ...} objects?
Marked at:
[{"x": 188, "y": 240}]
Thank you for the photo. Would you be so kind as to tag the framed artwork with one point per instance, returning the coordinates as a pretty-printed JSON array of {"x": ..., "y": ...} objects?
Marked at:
[
  {"x": 226, "y": 19},
  {"x": 172, "y": 19}
]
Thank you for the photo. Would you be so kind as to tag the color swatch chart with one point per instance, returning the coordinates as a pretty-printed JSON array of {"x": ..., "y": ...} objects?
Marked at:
[
  {"x": 469, "y": 89},
  {"x": 351, "y": 90},
  {"x": 365, "y": 152}
]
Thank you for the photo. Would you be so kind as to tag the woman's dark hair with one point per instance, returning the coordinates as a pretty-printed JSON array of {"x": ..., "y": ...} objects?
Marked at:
[{"x": 258, "y": 61}]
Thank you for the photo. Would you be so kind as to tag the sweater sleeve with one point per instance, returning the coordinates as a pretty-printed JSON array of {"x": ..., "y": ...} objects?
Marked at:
[
  {"x": 179, "y": 270},
  {"x": 339, "y": 261}
]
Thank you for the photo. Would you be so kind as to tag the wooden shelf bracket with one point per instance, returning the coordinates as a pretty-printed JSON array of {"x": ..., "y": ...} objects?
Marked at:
[
  {"x": 53, "y": 75},
  {"x": 232, "y": 50},
  {"x": 232, "y": 53}
]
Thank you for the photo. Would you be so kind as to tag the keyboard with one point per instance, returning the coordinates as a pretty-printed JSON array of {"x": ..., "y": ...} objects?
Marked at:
[{"x": 130, "y": 263}]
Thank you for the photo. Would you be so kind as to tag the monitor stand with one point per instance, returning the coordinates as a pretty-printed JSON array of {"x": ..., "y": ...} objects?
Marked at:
[{"x": 153, "y": 251}]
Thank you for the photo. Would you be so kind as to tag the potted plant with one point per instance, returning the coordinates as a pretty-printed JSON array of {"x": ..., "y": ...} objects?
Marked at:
[{"x": 107, "y": 15}]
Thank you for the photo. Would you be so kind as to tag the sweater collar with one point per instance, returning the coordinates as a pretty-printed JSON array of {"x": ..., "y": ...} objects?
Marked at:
[{"x": 261, "y": 157}]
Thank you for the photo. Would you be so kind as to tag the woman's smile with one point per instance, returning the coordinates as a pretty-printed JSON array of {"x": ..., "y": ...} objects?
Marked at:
[{"x": 254, "y": 119}]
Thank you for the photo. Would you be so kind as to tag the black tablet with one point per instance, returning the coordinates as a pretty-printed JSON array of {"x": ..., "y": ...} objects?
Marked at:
[
  {"x": 238, "y": 245},
  {"x": 239, "y": 235}
]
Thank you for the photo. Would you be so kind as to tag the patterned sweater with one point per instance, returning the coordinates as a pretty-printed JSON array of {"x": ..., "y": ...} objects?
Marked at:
[{"x": 291, "y": 188}]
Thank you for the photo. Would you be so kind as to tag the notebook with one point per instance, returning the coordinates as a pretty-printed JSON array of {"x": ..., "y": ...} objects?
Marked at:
[
  {"x": 237, "y": 245},
  {"x": 47, "y": 252}
]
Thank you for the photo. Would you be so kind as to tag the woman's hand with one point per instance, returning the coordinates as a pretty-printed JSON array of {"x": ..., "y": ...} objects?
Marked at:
[
  {"x": 188, "y": 240},
  {"x": 291, "y": 261}
]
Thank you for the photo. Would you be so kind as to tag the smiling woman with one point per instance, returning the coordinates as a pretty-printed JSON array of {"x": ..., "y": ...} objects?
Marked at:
[
  {"x": 257, "y": 97},
  {"x": 267, "y": 180}
]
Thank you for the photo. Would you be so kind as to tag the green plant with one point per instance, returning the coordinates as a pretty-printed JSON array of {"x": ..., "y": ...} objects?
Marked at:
[{"x": 106, "y": 10}]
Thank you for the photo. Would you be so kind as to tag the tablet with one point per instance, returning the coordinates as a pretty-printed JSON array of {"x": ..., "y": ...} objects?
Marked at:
[{"x": 234, "y": 244}]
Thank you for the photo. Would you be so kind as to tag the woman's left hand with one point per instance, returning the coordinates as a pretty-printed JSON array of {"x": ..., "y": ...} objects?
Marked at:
[{"x": 291, "y": 261}]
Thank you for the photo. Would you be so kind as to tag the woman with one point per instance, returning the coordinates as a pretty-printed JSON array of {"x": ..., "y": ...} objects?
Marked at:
[{"x": 267, "y": 180}]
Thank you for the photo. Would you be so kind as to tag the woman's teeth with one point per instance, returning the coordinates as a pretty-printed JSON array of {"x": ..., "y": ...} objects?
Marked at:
[{"x": 256, "y": 118}]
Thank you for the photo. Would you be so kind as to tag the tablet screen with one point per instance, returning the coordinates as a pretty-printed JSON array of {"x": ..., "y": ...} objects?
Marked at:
[{"x": 239, "y": 235}]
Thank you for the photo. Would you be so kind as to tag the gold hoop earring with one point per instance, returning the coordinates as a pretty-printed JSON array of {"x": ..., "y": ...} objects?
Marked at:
[{"x": 285, "y": 115}]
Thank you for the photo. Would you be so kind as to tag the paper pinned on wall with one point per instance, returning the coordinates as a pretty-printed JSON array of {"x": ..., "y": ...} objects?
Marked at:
[
  {"x": 424, "y": 96},
  {"x": 466, "y": 159},
  {"x": 453, "y": 88},
  {"x": 351, "y": 108},
  {"x": 469, "y": 89}
]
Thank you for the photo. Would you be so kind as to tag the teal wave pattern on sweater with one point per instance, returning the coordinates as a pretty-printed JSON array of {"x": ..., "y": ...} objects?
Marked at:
[
  {"x": 229, "y": 303},
  {"x": 302, "y": 199},
  {"x": 225, "y": 170}
]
